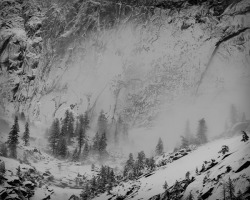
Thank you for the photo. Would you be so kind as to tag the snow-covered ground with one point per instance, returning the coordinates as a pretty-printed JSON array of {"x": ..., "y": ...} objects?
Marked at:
[
  {"x": 65, "y": 173},
  {"x": 147, "y": 187}
]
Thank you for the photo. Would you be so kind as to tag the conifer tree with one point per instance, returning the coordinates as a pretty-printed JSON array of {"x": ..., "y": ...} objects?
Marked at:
[
  {"x": 103, "y": 145},
  {"x": 96, "y": 142},
  {"x": 165, "y": 185},
  {"x": 151, "y": 163},
  {"x": 230, "y": 189},
  {"x": 26, "y": 135},
  {"x": 129, "y": 164},
  {"x": 201, "y": 133},
  {"x": 224, "y": 191},
  {"x": 84, "y": 126},
  {"x": 159, "y": 147},
  {"x": 85, "y": 151},
  {"x": 245, "y": 137},
  {"x": 141, "y": 160},
  {"x": 18, "y": 171},
  {"x": 102, "y": 123},
  {"x": 13, "y": 139},
  {"x": 54, "y": 135},
  {"x": 70, "y": 127},
  {"x": 65, "y": 123},
  {"x": 62, "y": 147}
]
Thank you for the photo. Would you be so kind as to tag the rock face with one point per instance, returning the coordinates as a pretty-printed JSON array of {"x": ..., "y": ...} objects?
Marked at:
[{"x": 128, "y": 58}]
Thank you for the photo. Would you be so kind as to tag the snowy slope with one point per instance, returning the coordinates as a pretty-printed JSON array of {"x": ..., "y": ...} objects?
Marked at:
[{"x": 147, "y": 187}]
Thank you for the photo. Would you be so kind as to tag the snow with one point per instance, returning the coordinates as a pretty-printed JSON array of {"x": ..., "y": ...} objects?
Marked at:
[{"x": 153, "y": 185}]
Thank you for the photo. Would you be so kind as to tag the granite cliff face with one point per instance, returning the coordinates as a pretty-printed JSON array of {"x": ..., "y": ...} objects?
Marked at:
[{"x": 130, "y": 58}]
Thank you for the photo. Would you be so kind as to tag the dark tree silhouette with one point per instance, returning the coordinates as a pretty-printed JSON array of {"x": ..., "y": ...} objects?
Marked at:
[
  {"x": 26, "y": 134},
  {"x": 54, "y": 135},
  {"x": 13, "y": 139},
  {"x": 201, "y": 132},
  {"x": 159, "y": 147}
]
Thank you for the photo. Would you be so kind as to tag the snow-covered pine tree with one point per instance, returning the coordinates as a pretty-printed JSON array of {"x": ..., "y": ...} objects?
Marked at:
[
  {"x": 62, "y": 147},
  {"x": 201, "y": 132},
  {"x": 18, "y": 171},
  {"x": 141, "y": 160},
  {"x": 65, "y": 123},
  {"x": 224, "y": 191},
  {"x": 85, "y": 152},
  {"x": 54, "y": 135},
  {"x": 230, "y": 189},
  {"x": 96, "y": 142},
  {"x": 129, "y": 165},
  {"x": 26, "y": 134},
  {"x": 13, "y": 139},
  {"x": 84, "y": 126},
  {"x": 187, "y": 175},
  {"x": 103, "y": 145},
  {"x": 159, "y": 147},
  {"x": 70, "y": 127},
  {"x": 102, "y": 123},
  {"x": 165, "y": 185},
  {"x": 245, "y": 137}
]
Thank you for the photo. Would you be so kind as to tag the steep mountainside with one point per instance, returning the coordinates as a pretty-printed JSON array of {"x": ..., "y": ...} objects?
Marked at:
[{"x": 130, "y": 58}]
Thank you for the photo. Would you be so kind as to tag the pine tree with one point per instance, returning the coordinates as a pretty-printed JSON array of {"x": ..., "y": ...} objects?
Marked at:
[
  {"x": 188, "y": 175},
  {"x": 233, "y": 115},
  {"x": 141, "y": 160},
  {"x": 230, "y": 189},
  {"x": 201, "y": 133},
  {"x": 26, "y": 135},
  {"x": 13, "y": 139},
  {"x": 62, "y": 147},
  {"x": 54, "y": 135},
  {"x": 245, "y": 137},
  {"x": 102, "y": 123},
  {"x": 85, "y": 151},
  {"x": 96, "y": 142},
  {"x": 84, "y": 126},
  {"x": 224, "y": 149},
  {"x": 224, "y": 191},
  {"x": 159, "y": 147},
  {"x": 4, "y": 150},
  {"x": 129, "y": 165},
  {"x": 70, "y": 127},
  {"x": 196, "y": 171},
  {"x": 165, "y": 185},
  {"x": 151, "y": 163},
  {"x": 65, "y": 123},
  {"x": 103, "y": 145},
  {"x": 18, "y": 171}
]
